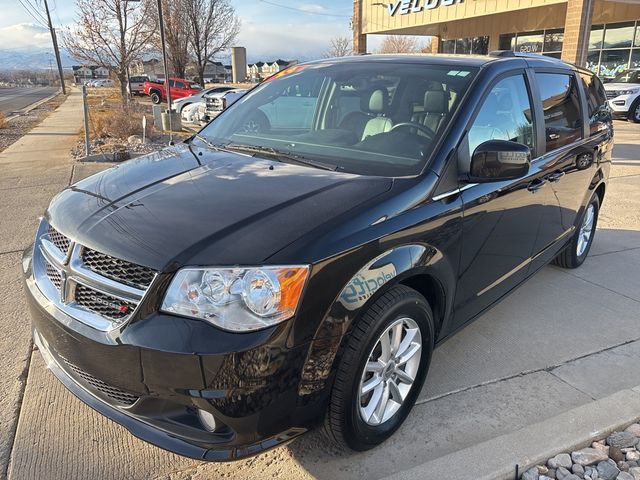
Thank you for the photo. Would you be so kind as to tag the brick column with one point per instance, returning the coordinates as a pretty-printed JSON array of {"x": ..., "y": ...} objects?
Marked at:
[
  {"x": 576, "y": 31},
  {"x": 435, "y": 44},
  {"x": 359, "y": 39}
]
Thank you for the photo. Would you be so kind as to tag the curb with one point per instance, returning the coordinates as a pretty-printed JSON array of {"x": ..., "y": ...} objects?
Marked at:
[
  {"x": 496, "y": 459},
  {"x": 33, "y": 106}
]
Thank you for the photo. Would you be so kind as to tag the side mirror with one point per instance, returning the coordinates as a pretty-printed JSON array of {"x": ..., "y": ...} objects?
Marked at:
[{"x": 497, "y": 160}]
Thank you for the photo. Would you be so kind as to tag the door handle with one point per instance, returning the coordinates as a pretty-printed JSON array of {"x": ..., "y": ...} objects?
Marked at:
[
  {"x": 555, "y": 176},
  {"x": 536, "y": 185}
]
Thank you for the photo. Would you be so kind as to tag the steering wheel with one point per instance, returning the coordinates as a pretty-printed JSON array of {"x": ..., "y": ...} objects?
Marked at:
[{"x": 426, "y": 130}]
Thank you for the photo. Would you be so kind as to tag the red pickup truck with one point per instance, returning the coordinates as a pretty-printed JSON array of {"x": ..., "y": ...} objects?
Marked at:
[{"x": 179, "y": 88}]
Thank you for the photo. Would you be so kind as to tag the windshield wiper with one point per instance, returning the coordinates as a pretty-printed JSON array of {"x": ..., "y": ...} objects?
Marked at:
[{"x": 280, "y": 155}]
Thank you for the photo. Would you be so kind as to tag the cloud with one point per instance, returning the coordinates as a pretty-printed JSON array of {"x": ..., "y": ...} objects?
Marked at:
[
  {"x": 23, "y": 35},
  {"x": 312, "y": 8}
]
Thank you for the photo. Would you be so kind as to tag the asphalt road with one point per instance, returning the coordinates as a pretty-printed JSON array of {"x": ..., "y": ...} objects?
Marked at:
[{"x": 17, "y": 98}]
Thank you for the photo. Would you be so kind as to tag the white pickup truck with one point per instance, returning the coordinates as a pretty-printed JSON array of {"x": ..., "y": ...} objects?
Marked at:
[
  {"x": 623, "y": 94},
  {"x": 214, "y": 103}
]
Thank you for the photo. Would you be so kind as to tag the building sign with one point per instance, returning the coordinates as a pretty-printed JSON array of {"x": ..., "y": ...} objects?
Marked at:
[{"x": 404, "y": 7}]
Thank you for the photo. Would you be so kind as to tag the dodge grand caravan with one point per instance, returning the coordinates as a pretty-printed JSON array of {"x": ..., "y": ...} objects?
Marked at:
[{"x": 296, "y": 262}]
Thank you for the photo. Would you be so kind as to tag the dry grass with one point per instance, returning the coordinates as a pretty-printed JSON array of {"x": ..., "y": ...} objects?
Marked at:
[
  {"x": 108, "y": 119},
  {"x": 3, "y": 120}
]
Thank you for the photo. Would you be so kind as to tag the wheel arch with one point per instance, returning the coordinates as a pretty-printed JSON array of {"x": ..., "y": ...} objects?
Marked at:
[{"x": 417, "y": 266}]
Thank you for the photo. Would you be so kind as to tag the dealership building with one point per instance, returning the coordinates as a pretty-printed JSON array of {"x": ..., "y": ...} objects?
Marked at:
[{"x": 603, "y": 35}]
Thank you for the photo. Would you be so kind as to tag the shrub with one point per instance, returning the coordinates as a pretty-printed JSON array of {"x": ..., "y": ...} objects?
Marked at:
[
  {"x": 119, "y": 122},
  {"x": 3, "y": 120}
]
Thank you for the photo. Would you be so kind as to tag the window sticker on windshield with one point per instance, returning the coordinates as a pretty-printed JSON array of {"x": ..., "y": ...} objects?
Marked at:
[{"x": 458, "y": 73}]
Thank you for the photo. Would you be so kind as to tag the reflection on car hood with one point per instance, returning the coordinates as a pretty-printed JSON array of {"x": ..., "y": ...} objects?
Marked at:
[{"x": 167, "y": 209}]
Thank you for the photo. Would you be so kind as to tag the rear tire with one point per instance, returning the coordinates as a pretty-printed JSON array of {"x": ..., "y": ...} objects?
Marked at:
[
  {"x": 576, "y": 252},
  {"x": 402, "y": 314},
  {"x": 634, "y": 111}
]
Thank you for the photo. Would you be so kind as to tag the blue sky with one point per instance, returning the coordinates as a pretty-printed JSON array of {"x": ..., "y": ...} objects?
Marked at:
[{"x": 296, "y": 29}]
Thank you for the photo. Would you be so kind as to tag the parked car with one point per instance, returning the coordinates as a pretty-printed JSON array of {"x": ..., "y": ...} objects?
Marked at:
[
  {"x": 105, "y": 82},
  {"x": 179, "y": 88},
  {"x": 136, "y": 84},
  {"x": 214, "y": 103},
  {"x": 179, "y": 104},
  {"x": 225, "y": 295},
  {"x": 190, "y": 113},
  {"x": 623, "y": 93}
]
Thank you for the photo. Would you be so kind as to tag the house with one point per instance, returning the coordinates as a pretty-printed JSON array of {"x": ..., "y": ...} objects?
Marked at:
[
  {"x": 152, "y": 68},
  {"x": 262, "y": 70},
  {"x": 275, "y": 67},
  {"x": 84, "y": 73},
  {"x": 254, "y": 70}
]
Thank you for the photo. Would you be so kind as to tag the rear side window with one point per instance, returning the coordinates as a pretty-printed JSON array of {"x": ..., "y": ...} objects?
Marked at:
[
  {"x": 561, "y": 105},
  {"x": 596, "y": 102}
]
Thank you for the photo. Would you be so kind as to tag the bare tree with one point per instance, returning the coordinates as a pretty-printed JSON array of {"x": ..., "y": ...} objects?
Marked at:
[
  {"x": 339, "y": 47},
  {"x": 399, "y": 44},
  {"x": 176, "y": 35},
  {"x": 112, "y": 34},
  {"x": 213, "y": 27}
]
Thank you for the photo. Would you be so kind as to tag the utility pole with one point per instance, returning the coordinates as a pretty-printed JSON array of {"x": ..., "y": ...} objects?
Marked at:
[
  {"x": 55, "y": 47},
  {"x": 166, "y": 68}
]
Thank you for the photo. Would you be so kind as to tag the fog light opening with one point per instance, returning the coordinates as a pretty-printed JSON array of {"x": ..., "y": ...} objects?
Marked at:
[{"x": 207, "y": 420}]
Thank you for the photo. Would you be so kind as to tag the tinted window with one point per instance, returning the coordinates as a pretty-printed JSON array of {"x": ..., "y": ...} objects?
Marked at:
[
  {"x": 179, "y": 85},
  {"x": 561, "y": 105},
  {"x": 505, "y": 115},
  {"x": 596, "y": 102}
]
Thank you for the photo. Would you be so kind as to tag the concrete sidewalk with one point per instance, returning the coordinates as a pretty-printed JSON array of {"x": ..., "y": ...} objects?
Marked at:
[
  {"x": 31, "y": 171},
  {"x": 562, "y": 341}
]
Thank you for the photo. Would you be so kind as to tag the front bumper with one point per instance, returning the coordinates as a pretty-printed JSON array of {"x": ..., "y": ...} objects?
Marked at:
[
  {"x": 621, "y": 104},
  {"x": 156, "y": 374}
]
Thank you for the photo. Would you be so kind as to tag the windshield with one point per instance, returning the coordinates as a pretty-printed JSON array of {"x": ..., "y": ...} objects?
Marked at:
[
  {"x": 370, "y": 118},
  {"x": 628, "y": 76}
]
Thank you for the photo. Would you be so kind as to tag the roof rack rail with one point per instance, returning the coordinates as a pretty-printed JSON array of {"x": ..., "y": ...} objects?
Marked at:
[
  {"x": 512, "y": 54},
  {"x": 502, "y": 53}
]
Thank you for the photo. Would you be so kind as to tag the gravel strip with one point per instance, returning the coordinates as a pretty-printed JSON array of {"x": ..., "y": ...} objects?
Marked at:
[
  {"x": 21, "y": 125},
  {"x": 616, "y": 457}
]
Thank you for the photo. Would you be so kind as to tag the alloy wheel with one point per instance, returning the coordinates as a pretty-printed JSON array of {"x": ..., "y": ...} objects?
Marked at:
[
  {"x": 636, "y": 113},
  {"x": 586, "y": 230},
  {"x": 391, "y": 369}
]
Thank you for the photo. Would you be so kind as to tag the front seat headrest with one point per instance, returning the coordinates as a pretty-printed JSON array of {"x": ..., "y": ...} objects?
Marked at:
[
  {"x": 377, "y": 102},
  {"x": 435, "y": 101}
]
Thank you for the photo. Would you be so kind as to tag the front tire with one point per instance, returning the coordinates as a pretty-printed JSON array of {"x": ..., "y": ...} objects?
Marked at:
[
  {"x": 382, "y": 370},
  {"x": 576, "y": 252},
  {"x": 155, "y": 98}
]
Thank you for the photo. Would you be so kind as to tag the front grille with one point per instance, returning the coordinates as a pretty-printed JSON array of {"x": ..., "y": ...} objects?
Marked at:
[
  {"x": 54, "y": 275},
  {"x": 118, "y": 270},
  {"x": 102, "y": 304},
  {"x": 59, "y": 240},
  {"x": 114, "y": 393}
]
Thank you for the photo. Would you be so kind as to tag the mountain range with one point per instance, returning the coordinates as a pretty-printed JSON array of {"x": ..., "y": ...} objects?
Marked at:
[{"x": 30, "y": 59}]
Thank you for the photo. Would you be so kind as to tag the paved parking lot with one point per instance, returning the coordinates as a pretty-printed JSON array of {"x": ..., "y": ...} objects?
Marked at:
[{"x": 562, "y": 340}]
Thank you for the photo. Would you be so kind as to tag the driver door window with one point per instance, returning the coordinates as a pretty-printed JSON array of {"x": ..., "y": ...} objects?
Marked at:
[{"x": 506, "y": 114}]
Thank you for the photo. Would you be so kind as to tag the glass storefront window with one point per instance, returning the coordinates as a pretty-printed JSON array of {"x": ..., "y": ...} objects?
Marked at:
[
  {"x": 635, "y": 58},
  {"x": 480, "y": 45},
  {"x": 553, "y": 40},
  {"x": 507, "y": 41},
  {"x": 532, "y": 42},
  {"x": 595, "y": 37},
  {"x": 593, "y": 60},
  {"x": 613, "y": 62},
  {"x": 637, "y": 40},
  {"x": 448, "y": 46},
  {"x": 463, "y": 45},
  {"x": 619, "y": 35}
]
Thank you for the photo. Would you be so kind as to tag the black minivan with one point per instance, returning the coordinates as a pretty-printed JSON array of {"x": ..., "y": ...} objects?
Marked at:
[{"x": 296, "y": 262}]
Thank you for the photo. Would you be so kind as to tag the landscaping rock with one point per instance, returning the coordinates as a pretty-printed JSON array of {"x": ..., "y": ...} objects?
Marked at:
[
  {"x": 562, "y": 473},
  {"x": 622, "y": 439},
  {"x": 608, "y": 470},
  {"x": 634, "y": 429},
  {"x": 589, "y": 456},
  {"x": 632, "y": 456},
  {"x": 616, "y": 454},
  {"x": 635, "y": 473},
  {"x": 561, "y": 460},
  {"x": 624, "y": 476},
  {"x": 531, "y": 474}
]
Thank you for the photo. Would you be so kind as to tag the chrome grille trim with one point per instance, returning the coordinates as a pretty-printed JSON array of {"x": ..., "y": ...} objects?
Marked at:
[
  {"x": 61, "y": 242},
  {"x": 122, "y": 271},
  {"x": 62, "y": 289}
]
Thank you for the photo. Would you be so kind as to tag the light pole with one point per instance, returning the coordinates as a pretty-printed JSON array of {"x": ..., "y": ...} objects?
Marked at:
[
  {"x": 55, "y": 48},
  {"x": 166, "y": 68}
]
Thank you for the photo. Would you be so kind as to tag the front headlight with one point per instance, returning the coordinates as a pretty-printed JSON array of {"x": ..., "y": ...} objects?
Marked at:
[
  {"x": 631, "y": 91},
  {"x": 237, "y": 299}
]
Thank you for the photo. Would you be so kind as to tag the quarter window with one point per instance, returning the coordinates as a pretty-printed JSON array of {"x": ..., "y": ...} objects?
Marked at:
[
  {"x": 506, "y": 114},
  {"x": 561, "y": 105}
]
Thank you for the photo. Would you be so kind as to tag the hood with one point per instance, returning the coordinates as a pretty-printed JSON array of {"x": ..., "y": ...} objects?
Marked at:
[
  {"x": 175, "y": 208},
  {"x": 620, "y": 86}
]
